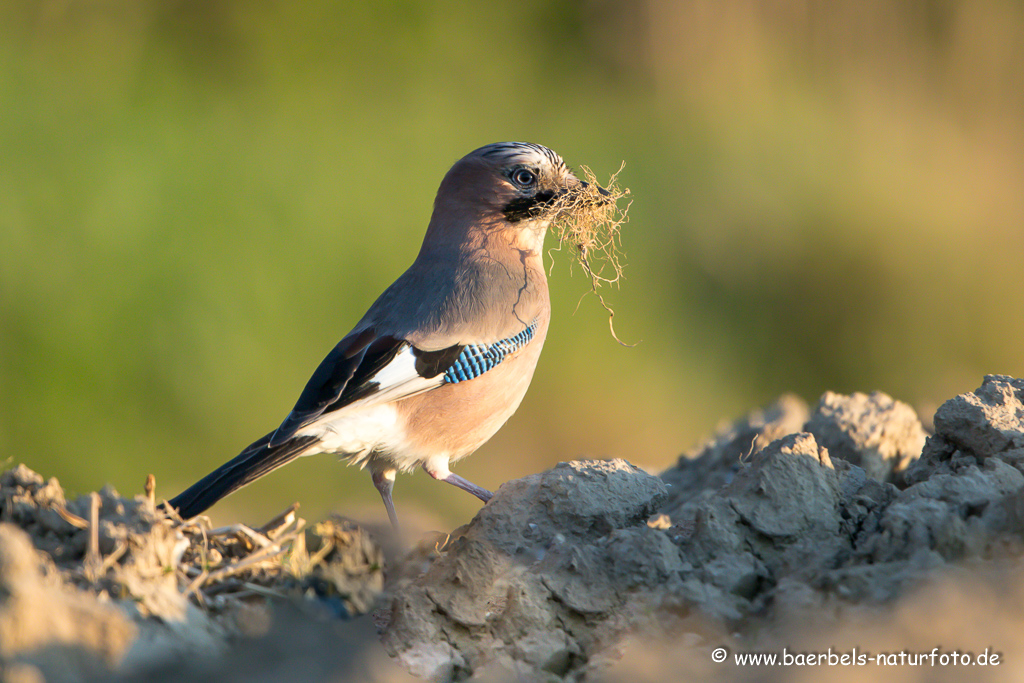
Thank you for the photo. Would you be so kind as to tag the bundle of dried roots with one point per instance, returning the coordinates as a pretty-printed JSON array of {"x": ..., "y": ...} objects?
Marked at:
[{"x": 590, "y": 221}]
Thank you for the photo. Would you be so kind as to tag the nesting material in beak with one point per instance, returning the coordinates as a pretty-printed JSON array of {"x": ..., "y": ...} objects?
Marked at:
[{"x": 588, "y": 217}]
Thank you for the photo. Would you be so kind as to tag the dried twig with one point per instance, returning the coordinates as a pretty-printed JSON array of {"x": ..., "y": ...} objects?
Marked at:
[
  {"x": 275, "y": 526},
  {"x": 70, "y": 517},
  {"x": 110, "y": 560},
  {"x": 93, "y": 559},
  {"x": 242, "y": 530},
  {"x": 268, "y": 552},
  {"x": 150, "y": 490},
  {"x": 263, "y": 590}
]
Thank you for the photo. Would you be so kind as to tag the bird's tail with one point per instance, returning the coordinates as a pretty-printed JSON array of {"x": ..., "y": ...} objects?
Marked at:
[{"x": 258, "y": 459}]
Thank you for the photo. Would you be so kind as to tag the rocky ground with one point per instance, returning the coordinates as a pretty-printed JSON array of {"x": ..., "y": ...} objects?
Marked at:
[{"x": 846, "y": 530}]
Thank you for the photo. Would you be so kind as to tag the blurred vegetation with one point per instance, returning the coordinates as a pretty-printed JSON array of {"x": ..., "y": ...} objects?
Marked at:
[{"x": 198, "y": 199}]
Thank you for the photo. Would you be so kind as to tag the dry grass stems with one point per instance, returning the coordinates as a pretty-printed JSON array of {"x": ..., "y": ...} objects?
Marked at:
[
  {"x": 335, "y": 560},
  {"x": 139, "y": 551},
  {"x": 590, "y": 221}
]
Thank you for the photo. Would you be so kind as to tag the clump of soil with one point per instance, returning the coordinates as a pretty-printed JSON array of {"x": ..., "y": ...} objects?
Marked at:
[
  {"x": 788, "y": 525},
  {"x": 123, "y": 584}
]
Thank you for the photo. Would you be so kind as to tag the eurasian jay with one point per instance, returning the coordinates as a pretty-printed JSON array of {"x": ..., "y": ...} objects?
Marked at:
[{"x": 444, "y": 356}]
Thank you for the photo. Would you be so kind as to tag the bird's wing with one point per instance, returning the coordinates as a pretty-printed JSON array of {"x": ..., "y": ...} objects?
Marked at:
[{"x": 365, "y": 369}]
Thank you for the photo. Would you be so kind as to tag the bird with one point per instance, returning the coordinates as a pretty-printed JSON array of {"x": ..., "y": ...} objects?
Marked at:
[{"x": 445, "y": 355}]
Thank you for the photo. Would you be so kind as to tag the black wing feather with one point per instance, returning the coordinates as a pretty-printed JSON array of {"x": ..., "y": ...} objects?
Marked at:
[
  {"x": 381, "y": 352},
  {"x": 258, "y": 459}
]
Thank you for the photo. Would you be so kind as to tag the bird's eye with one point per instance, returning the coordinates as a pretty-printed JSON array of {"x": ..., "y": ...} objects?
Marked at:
[{"x": 524, "y": 177}]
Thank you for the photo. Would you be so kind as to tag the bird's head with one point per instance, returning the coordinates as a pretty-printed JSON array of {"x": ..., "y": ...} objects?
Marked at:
[{"x": 509, "y": 188}]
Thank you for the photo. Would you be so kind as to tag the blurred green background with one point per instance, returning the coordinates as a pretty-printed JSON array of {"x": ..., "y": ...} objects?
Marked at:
[{"x": 198, "y": 199}]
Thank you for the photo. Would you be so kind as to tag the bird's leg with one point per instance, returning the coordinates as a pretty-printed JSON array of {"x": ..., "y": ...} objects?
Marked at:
[
  {"x": 384, "y": 480},
  {"x": 466, "y": 485},
  {"x": 439, "y": 471}
]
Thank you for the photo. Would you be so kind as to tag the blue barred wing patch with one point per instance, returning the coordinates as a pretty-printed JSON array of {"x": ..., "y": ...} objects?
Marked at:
[{"x": 476, "y": 359}]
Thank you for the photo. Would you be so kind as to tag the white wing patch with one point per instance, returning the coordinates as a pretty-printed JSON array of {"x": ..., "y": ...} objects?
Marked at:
[{"x": 399, "y": 379}]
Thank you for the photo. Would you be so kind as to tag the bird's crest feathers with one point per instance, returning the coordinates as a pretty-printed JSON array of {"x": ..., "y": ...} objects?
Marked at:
[{"x": 522, "y": 153}]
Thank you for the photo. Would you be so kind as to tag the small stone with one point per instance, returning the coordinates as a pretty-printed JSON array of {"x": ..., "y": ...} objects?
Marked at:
[{"x": 660, "y": 521}]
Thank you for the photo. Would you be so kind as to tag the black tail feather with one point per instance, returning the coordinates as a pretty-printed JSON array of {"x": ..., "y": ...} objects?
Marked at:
[{"x": 245, "y": 468}]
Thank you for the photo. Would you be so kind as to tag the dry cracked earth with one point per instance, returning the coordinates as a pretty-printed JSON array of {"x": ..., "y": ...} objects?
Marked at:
[{"x": 844, "y": 530}]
